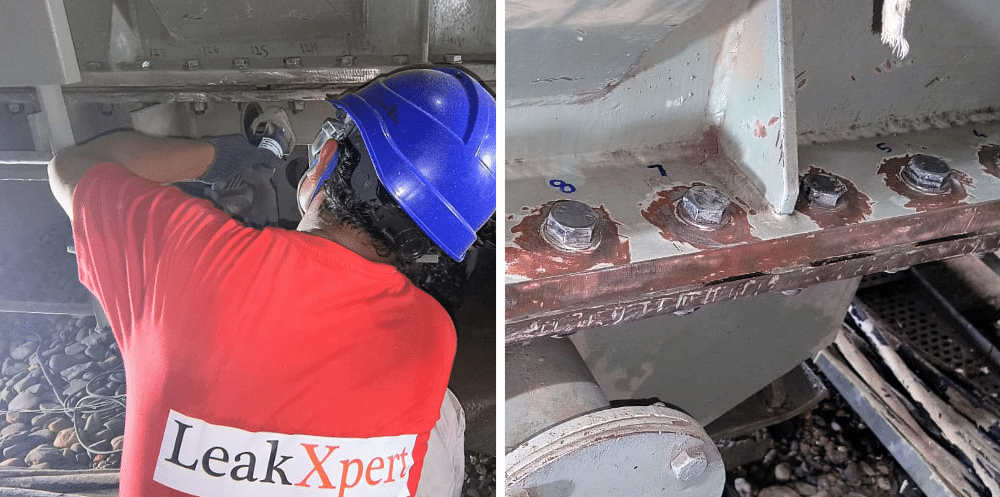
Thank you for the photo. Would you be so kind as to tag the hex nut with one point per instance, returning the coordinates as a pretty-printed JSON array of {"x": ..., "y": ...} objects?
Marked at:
[
  {"x": 144, "y": 64},
  {"x": 572, "y": 226},
  {"x": 689, "y": 463},
  {"x": 823, "y": 190},
  {"x": 453, "y": 58},
  {"x": 14, "y": 108},
  {"x": 192, "y": 64},
  {"x": 298, "y": 106},
  {"x": 927, "y": 174},
  {"x": 705, "y": 207},
  {"x": 199, "y": 108},
  {"x": 241, "y": 63},
  {"x": 345, "y": 61},
  {"x": 293, "y": 62}
]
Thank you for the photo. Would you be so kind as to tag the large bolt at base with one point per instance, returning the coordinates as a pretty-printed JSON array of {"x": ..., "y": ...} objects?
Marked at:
[
  {"x": 689, "y": 463},
  {"x": 571, "y": 226},
  {"x": 705, "y": 207},
  {"x": 927, "y": 174},
  {"x": 823, "y": 190}
]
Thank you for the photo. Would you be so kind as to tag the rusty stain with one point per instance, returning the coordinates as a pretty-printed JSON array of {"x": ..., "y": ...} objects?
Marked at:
[
  {"x": 801, "y": 83},
  {"x": 875, "y": 245},
  {"x": 892, "y": 168},
  {"x": 772, "y": 120},
  {"x": 535, "y": 258},
  {"x": 854, "y": 205},
  {"x": 989, "y": 157},
  {"x": 662, "y": 214},
  {"x": 886, "y": 66},
  {"x": 759, "y": 130}
]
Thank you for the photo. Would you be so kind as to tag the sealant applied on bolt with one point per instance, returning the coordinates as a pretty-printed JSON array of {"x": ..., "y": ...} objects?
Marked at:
[
  {"x": 571, "y": 226},
  {"x": 689, "y": 463},
  {"x": 705, "y": 207},
  {"x": 823, "y": 190},
  {"x": 927, "y": 174}
]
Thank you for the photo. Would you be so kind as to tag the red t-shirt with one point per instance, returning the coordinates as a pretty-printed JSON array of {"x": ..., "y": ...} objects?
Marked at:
[{"x": 268, "y": 362}]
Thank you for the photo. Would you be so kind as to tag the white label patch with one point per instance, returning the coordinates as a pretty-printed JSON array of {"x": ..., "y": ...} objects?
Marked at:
[{"x": 212, "y": 460}]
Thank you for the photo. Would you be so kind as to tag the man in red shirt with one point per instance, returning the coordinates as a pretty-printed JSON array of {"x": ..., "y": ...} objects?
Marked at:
[{"x": 274, "y": 362}]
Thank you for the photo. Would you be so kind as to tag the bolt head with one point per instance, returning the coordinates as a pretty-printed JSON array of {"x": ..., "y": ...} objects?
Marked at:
[
  {"x": 571, "y": 226},
  {"x": 704, "y": 206},
  {"x": 14, "y": 108},
  {"x": 823, "y": 190},
  {"x": 293, "y": 62},
  {"x": 927, "y": 174},
  {"x": 192, "y": 64},
  {"x": 345, "y": 61},
  {"x": 401, "y": 60},
  {"x": 298, "y": 106},
  {"x": 689, "y": 463},
  {"x": 145, "y": 65},
  {"x": 241, "y": 63},
  {"x": 453, "y": 58},
  {"x": 199, "y": 107}
]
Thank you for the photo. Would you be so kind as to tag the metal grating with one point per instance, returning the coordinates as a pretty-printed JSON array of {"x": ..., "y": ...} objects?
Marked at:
[{"x": 917, "y": 319}]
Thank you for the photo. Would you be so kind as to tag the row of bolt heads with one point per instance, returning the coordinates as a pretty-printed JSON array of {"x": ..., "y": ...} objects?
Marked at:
[
  {"x": 290, "y": 62},
  {"x": 574, "y": 226}
]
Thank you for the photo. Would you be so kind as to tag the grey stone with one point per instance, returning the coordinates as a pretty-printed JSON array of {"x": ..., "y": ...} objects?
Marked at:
[
  {"x": 34, "y": 389},
  {"x": 17, "y": 417},
  {"x": 12, "y": 368},
  {"x": 116, "y": 424},
  {"x": 95, "y": 339},
  {"x": 59, "y": 424},
  {"x": 43, "y": 419},
  {"x": 26, "y": 382},
  {"x": 75, "y": 386},
  {"x": 805, "y": 489},
  {"x": 42, "y": 465},
  {"x": 15, "y": 379},
  {"x": 42, "y": 436},
  {"x": 852, "y": 474},
  {"x": 14, "y": 428},
  {"x": 778, "y": 491},
  {"x": 75, "y": 348},
  {"x": 113, "y": 361},
  {"x": 118, "y": 442},
  {"x": 83, "y": 459},
  {"x": 96, "y": 352},
  {"x": 21, "y": 352},
  {"x": 73, "y": 372},
  {"x": 23, "y": 401},
  {"x": 93, "y": 424},
  {"x": 7, "y": 394},
  {"x": 14, "y": 462},
  {"x": 59, "y": 362},
  {"x": 42, "y": 454},
  {"x": 783, "y": 472}
]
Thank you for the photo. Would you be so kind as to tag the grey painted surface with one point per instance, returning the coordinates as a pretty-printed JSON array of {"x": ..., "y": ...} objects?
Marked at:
[
  {"x": 707, "y": 362},
  {"x": 37, "y": 48}
]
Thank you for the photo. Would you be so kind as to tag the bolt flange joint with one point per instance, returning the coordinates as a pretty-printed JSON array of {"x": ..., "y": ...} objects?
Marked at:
[
  {"x": 704, "y": 207},
  {"x": 572, "y": 226},
  {"x": 823, "y": 190},
  {"x": 927, "y": 174}
]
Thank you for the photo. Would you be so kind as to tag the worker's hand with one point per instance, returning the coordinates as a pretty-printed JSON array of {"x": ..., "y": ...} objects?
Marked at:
[{"x": 234, "y": 155}]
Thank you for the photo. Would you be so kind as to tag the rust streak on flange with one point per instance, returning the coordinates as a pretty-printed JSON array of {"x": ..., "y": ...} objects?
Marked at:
[
  {"x": 854, "y": 205},
  {"x": 535, "y": 258},
  {"x": 892, "y": 168}
]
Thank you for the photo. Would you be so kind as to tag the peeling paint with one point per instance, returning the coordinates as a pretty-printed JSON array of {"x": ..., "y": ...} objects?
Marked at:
[
  {"x": 534, "y": 258},
  {"x": 854, "y": 206},
  {"x": 892, "y": 168},
  {"x": 989, "y": 157}
]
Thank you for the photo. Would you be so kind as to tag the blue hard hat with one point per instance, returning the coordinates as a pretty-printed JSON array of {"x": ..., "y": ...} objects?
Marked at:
[{"x": 431, "y": 135}]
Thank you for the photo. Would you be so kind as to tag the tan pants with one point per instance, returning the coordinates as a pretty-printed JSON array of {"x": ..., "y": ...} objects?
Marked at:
[{"x": 444, "y": 464}]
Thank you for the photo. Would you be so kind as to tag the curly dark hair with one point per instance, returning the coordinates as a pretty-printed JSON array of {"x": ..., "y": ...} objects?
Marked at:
[{"x": 343, "y": 205}]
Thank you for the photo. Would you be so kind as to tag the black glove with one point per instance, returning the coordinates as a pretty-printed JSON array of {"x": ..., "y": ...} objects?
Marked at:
[{"x": 234, "y": 155}]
